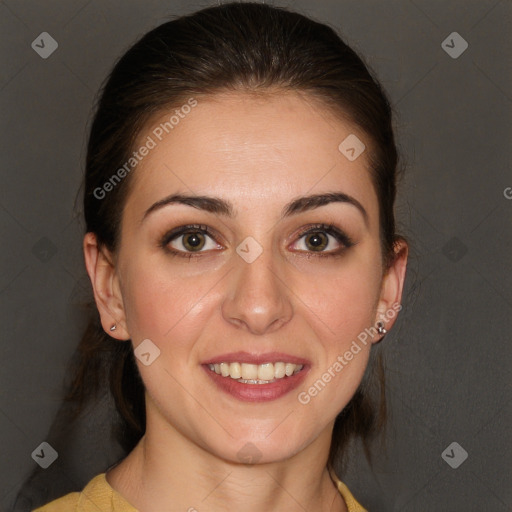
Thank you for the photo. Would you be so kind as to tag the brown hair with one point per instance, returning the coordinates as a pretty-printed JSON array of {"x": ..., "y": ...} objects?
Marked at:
[{"x": 247, "y": 47}]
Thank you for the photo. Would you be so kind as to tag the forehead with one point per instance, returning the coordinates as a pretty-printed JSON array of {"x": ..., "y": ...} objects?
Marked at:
[{"x": 250, "y": 149}]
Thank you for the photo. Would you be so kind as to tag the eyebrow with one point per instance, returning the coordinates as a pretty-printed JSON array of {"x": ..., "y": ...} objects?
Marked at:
[{"x": 222, "y": 207}]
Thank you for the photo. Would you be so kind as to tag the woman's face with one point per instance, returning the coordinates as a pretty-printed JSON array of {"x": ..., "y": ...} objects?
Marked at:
[{"x": 255, "y": 281}]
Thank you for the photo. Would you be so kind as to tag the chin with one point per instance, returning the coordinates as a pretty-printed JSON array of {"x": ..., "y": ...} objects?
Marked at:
[{"x": 249, "y": 447}]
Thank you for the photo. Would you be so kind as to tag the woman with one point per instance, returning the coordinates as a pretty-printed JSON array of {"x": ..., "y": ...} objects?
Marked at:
[{"x": 241, "y": 245}]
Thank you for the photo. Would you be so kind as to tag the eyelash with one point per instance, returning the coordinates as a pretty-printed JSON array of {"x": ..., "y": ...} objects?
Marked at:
[{"x": 330, "y": 229}]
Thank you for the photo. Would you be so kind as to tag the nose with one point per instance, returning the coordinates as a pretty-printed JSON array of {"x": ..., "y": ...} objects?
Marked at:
[{"x": 257, "y": 298}]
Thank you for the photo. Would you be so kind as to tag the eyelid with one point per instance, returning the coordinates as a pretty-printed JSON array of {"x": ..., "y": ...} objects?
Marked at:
[
  {"x": 181, "y": 230},
  {"x": 330, "y": 229}
]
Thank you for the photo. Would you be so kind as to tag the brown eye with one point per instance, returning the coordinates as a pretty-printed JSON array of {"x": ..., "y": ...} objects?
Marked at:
[
  {"x": 190, "y": 239},
  {"x": 193, "y": 241},
  {"x": 316, "y": 241},
  {"x": 324, "y": 240}
]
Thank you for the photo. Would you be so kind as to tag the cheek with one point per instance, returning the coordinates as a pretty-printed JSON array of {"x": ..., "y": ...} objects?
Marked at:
[
  {"x": 159, "y": 304},
  {"x": 145, "y": 299},
  {"x": 344, "y": 300},
  {"x": 342, "y": 308}
]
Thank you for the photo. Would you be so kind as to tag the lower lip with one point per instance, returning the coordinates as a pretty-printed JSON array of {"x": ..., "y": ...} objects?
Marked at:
[{"x": 257, "y": 392}]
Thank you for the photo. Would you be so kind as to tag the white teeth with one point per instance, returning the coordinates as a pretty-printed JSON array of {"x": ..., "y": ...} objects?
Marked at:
[
  {"x": 266, "y": 371},
  {"x": 289, "y": 369},
  {"x": 224, "y": 369},
  {"x": 249, "y": 371},
  {"x": 256, "y": 374},
  {"x": 279, "y": 370},
  {"x": 235, "y": 370}
]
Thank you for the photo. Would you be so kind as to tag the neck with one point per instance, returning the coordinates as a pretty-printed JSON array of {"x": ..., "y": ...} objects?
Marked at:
[{"x": 166, "y": 469}]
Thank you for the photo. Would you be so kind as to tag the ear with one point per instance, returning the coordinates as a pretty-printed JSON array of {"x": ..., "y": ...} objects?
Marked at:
[
  {"x": 105, "y": 283},
  {"x": 392, "y": 286}
]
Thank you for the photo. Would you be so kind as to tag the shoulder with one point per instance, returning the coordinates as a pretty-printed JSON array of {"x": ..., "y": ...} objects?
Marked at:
[
  {"x": 96, "y": 495},
  {"x": 352, "y": 504},
  {"x": 67, "y": 503}
]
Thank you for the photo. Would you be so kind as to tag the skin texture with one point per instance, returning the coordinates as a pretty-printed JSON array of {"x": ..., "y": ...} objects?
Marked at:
[{"x": 259, "y": 153}]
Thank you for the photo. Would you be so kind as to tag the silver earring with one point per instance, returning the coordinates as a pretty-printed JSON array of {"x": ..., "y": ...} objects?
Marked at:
[
  {"x": 380, "y": 328},
  {"x": 113, "y": 328}
]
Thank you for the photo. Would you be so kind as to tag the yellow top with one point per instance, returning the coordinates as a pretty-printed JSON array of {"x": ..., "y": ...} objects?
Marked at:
[{"x": 98, "y": 496}]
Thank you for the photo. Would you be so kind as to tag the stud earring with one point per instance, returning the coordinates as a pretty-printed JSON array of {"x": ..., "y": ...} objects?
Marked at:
[
  {"x": 380, "y": 328},
  {"x": 113, "y": 328}
]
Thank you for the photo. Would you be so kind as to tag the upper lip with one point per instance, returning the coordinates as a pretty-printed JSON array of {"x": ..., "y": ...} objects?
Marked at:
[{"x": 246, "y": 357}]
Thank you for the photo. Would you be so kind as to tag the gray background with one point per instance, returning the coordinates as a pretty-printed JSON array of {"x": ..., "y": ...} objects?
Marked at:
[{"x": 449, "y": 357}]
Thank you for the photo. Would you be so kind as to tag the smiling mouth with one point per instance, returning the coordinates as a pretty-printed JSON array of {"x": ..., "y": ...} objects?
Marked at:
[{"x": 247, "y": 373}]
